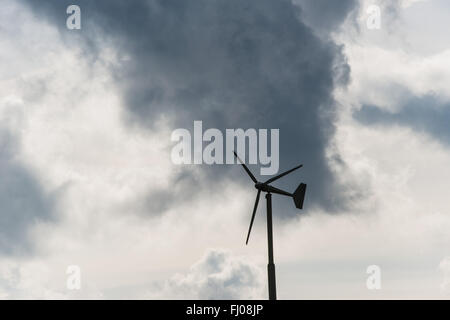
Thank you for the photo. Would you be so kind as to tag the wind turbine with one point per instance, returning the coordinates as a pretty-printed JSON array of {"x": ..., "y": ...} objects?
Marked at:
[{"x": 298, "y": 196}]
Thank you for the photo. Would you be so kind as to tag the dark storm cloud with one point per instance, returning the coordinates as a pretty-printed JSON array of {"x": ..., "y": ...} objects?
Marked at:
[
  {"x": 425, "y": 114},
  {"x": 325, "y": 15},
  {"x": 22, "y": 202},
  {"x": 231, "y": 64}
]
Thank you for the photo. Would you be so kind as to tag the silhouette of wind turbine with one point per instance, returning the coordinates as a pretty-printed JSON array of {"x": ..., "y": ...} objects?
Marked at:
[{"x": 298, "y": 196}]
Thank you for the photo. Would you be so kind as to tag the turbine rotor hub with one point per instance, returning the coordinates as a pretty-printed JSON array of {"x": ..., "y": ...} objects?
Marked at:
[{"x": 261, "y": 186}]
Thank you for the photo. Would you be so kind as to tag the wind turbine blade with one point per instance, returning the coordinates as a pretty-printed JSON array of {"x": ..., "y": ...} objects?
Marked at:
[
  {"x": 282, "y": 175},
  {"x": 253, "y": 215},
  {"x": 245, "y": 167}
]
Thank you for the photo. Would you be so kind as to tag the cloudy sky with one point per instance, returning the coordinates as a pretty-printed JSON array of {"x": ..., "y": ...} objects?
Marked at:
[{"x": 86, "y": 177}]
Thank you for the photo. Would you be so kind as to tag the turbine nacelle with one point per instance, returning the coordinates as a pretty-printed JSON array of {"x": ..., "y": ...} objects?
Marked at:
[{"x": 271, "y": 189}]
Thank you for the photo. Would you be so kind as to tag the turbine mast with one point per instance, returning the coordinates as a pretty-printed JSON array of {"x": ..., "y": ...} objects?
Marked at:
[{"x": 271, "y": 264}]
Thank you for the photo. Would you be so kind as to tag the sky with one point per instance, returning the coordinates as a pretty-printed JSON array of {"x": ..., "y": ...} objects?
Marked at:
[{"x": 86, "y": 118}]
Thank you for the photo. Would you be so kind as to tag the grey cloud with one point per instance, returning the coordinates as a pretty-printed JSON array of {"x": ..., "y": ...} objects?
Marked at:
[
  {"x": 22, "y": 201},
  {"x": 232, "y": 64},
  {"x": 160, "y": 200},
  {"x": 425, "y": 114}
]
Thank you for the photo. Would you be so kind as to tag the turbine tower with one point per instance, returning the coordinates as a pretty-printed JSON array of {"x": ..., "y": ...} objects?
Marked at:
[{"x": 298, "y": 196}]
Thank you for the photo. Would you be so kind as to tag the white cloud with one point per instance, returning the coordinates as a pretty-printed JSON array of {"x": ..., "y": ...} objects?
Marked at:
[
  {"x": 407, "y": 56},
  {"x": 408, "y": 3},
  {"x": 387, "y": 78},
  {"x": 218, "y": 275}
]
